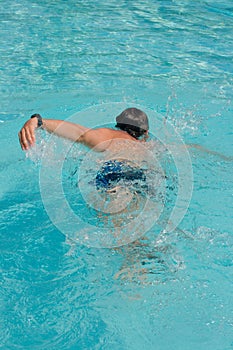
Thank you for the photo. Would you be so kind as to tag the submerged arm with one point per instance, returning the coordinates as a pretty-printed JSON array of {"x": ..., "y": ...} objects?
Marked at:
[
  {"x": 202, "y": 150},
  {"x": 206, "y": 150}
]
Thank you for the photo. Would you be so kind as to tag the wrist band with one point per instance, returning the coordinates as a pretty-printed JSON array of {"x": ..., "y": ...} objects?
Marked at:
[{"x": 39, "y": 119}]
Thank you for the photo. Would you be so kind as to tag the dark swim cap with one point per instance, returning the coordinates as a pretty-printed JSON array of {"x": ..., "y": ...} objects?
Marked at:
[{"x": 135, "y": 118}]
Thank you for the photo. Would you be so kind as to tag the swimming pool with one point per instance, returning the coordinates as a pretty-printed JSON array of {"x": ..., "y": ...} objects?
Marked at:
[{"x": 172, "y": 291}]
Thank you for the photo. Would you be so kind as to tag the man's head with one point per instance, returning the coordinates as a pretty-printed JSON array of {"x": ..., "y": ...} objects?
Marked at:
[{"x": 134, "y": 121}]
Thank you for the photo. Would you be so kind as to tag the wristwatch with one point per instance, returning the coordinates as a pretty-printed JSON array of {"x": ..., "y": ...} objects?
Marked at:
[{"x": 39, "y": 119}]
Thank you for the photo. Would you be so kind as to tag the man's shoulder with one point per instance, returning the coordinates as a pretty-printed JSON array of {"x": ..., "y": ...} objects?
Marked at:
[{"x": 113, "y": 134}]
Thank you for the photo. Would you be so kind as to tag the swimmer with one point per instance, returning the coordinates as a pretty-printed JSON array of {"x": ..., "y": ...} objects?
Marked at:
[{"x": 132, "y": 126}]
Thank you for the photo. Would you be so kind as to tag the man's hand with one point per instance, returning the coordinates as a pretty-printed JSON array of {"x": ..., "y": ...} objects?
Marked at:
[{"x": 27, "y": 134}]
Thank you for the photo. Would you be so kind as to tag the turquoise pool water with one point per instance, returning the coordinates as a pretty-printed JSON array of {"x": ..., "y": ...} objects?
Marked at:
[{"x": 169, "y": 291}]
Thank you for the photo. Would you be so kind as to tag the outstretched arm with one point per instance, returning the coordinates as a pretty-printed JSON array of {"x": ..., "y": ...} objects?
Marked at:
[{"x": 71, "y": 131}]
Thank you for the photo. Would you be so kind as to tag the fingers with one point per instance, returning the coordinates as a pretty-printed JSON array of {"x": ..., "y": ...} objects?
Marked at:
[
  {"x": 30, "y": 136},
  {"x": 26, "y": 137},
  {"x": 23, "y": 140}
]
